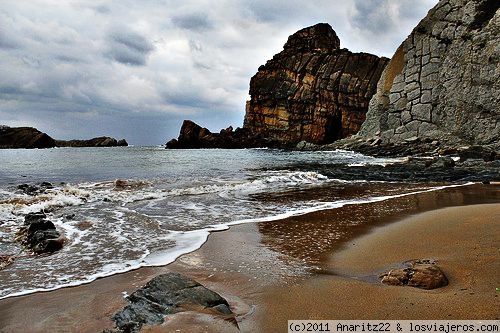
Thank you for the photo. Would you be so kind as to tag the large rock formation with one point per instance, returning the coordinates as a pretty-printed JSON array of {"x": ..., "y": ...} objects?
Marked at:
[
  {"x": 29, "y": 137},
  {"x": 24, "y": 137},
  {"x": 102, "y": 141},
  {"x": 193, "y": 135},
  {"x": 443, "y": 83},
  {"x": 312, "y": 91}
]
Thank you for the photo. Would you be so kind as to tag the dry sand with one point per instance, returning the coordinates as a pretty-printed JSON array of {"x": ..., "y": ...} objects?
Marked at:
[{"x": 269, "y": 271}]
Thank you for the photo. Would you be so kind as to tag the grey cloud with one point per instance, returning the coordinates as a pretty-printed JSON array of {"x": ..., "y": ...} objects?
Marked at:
[
  {"x": 56, "y": 72},
  {"x": 6, "y": 42},
  {"x": 372, "y": 15},
  {"x": 129, "y": 48},
  {"x": 194, "y": 22}
]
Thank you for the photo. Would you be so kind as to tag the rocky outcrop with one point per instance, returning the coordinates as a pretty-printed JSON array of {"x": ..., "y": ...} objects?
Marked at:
[
  {"x": 102, "y": 141},
  {"x": 423, "y": 274},
  {"x": 442, "y": 84},
  {"x": 39, "y": 234},
  {"x": 29, "y": 137},
  {"x": 193, "y": 135},
  {"x": 163, "y": 295},
  {"x": 24, "y": 137},
  {"x": 312, "y": 91}
]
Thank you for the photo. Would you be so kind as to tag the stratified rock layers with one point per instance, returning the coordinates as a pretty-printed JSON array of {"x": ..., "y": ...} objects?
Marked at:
[
  {"x": 312, "y": 91},
  {"x": 443, "y": 83}
]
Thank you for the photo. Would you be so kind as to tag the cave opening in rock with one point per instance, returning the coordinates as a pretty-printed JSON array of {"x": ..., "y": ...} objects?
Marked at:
[{"x": 333, "y": 129}]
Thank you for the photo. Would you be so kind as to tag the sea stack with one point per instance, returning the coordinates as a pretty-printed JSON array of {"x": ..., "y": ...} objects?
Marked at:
[
  {"x": 313, "y": 90},
  {"x": 443, "y": 83}
]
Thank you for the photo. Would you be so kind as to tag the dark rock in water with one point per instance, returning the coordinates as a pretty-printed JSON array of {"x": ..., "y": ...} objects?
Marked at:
[
  {"x": 102, "y": 141},
  {"x": 477, "y": 152},
  {"x": 423, "y": 274},
  {"x": 24, "y": 137},
  {"x": 313, "y": 90},
  {"x": 443, "y": 162},
  {"x": 39, "y": 234},
  {"x": 6, "y": 261},
  {"x": 31, "y": 189},
  {"x": 163, "y": 295},
  {"x": 193, "y": 135},
  {"x": 33, "y": 217}
]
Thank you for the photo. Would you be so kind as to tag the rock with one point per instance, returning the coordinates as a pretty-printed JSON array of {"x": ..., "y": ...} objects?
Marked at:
[
  {"x": 442, "y": 83},
  {"x": 6, "y": 261},
  {"x": 477, "y": 152},
  {"x": 31, "y": 189},
  {"x": 312, "y": 91},
  {"x": 163, "y": 295},
  {"x": 39, "y": 234},
  {"x": 193, "y": 135},
  {"x": 443, "y": 162},
  {"x": 102, "y": 141},
  {"x": 423, "y": 274},
  {"x": 24, "y": 137}
]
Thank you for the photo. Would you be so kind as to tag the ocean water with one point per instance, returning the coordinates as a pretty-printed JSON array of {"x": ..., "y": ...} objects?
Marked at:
[{"x": 169, "y": 202}]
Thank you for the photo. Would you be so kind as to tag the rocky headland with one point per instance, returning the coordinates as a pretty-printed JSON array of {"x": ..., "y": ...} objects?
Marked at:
[
  {"x": 29, "y": 137},
  {"x": 24, "y": 137},
  {"x": 102, "y": 141},
  {"x": 438, "y": 95},
  {"x": 311, "y": 91}
]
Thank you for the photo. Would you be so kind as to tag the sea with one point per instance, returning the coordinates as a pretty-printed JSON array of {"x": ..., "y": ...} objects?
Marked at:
[{"x": 128, "y": 207}]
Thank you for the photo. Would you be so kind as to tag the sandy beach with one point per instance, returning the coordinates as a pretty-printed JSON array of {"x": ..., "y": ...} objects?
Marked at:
[{"x": 297, "y": 269}]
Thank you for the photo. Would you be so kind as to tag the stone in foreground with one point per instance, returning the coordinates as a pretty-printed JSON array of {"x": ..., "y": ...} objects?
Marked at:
[
  {"x": 166, "y": 294},
  {"x": 423, "y": 274}
]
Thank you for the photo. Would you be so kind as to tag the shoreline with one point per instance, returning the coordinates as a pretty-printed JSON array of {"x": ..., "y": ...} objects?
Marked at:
[{"x": 245, "y": 264}]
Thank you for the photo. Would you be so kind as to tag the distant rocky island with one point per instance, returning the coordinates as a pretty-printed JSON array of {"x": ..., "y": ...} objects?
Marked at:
[
  {"x": 29, "y": 138},
  {"x": 439, "y": 94}
]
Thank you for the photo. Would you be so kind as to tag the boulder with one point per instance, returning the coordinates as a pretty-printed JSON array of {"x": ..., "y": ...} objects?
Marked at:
[
  {"x": 166, "y": 294},
  {"x": 313, "y": 90},
  {"x": 442, "y": 83},
  {"x": 24, "y": 137},
  {"x": 39, "y": 234},
  {"x": 423, "y": 274}
]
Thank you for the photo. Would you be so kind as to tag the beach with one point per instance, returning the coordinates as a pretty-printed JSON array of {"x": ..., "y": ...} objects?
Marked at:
[{"x": 291, "y": 269}]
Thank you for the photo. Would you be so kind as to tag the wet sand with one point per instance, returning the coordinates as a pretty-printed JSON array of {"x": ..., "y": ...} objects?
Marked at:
[{"x": 317, "y": 266}]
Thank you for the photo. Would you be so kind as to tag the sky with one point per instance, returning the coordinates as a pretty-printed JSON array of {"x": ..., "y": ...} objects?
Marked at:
[{"x": 135, "y": 69}]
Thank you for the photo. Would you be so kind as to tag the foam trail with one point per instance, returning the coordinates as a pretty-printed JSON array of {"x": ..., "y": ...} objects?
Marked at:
[{"x": 189, "y": 241}]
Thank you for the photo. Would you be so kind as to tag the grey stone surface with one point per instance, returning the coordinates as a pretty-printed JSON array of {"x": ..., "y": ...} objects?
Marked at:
[
  {"x": 444, "y": 79},
  {"x": 166, "y": 294}
]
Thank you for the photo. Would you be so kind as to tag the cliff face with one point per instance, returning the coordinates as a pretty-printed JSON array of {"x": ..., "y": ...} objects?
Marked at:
[
  {"x": 443, "y": 83},
  {"x": 313, "y": 90}
]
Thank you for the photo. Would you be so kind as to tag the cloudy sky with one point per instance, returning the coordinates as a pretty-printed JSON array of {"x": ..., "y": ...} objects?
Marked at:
[{"x": 135, "y": 69}]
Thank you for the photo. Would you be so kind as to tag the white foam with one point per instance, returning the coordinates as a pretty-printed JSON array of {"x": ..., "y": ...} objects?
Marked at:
[{"x": 188, "y": 241}]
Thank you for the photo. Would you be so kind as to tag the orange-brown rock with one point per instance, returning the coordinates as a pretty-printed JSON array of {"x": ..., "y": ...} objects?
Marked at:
[{"x": 313, "y": 90}]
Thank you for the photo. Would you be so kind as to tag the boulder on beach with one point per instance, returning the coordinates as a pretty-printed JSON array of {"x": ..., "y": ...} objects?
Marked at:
[
  {"x": 423, "y": 274},
  {"x": 166, "y": 294}
]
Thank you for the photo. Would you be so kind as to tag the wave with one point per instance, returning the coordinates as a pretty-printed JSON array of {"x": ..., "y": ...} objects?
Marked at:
[{"x": 182, "y": 242}]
